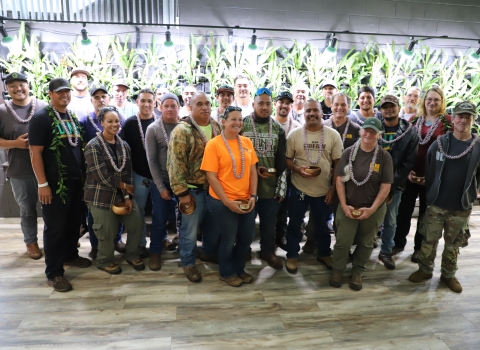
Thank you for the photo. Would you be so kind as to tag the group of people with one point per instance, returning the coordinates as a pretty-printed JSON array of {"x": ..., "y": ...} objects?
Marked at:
[{"x": 211, "y": 172}]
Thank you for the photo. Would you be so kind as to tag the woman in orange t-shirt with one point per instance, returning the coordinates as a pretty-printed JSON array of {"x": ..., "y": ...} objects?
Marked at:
[{"x": 230, "y": 164}]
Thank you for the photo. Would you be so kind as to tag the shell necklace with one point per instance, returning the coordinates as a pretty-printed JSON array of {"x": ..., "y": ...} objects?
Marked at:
[
  {"x": 9, "y": 104},
  {"x": 351, "y": 159},
  {"x": 93, "y": 123},
  {"x": 289, "y": 126},
  {"x": 257, "y": 139},
  {"x": 162, "y": 126},
  {"x": 202, "y": 134},
  {"x": 140, "y": 127},
  {"x": 399, "y": 137},
  {"x": 124, "y": 156},
  {"x": 430, "y": 131},
  {"x": 242, "y": 156},
  {"x": 306, "y": 148},
  {"x": 464, "y": 153},
  {"x": 344, "y": 136},
  {"x": 75, "y": 131},
  {"x": 359, "y": 121}
]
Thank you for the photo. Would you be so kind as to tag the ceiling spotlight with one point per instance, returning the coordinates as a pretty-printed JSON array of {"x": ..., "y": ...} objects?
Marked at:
[
  {"x": 85, "y": 39},
  {"x": 331, "y": 50},
  {"x": 7, "y": 39},
  {"x": 253, "y": 42},
  {"x": 409, "y": 52},
  {"x": 168, "y": 38}
]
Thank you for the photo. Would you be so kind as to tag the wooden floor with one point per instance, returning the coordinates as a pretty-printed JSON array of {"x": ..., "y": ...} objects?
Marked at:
[{"x": 162, "y": 310}]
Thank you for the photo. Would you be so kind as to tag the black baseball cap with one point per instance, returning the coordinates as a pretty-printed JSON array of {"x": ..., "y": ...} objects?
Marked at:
[
  {"x": 15, "y": 76},
  {"x": 96, "y": 88},
  {"x": 284, "y": 94},
  {"x": 58, "y": 84}
]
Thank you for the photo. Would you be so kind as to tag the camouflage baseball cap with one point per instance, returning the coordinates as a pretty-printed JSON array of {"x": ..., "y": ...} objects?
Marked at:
[
  {"x": 372, "y": 123},
  {"x": 465, "y": 107},
  {"x": 389, "y": 99}
]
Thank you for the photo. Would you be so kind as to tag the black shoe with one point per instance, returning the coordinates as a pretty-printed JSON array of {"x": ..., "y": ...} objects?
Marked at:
[
  {"x": 79, "y": 262},
  {"x": 93, "y": 253},
  {"x": 387, "y": 260},
  {"x": 282, "y": 243},
  {"x": 145, "y": 253},
  {"x": 209, "y": 258},
  {"x": 120, "y": 247},
  {"x": 60, "y": 284},
  {"x": 396, "y": 250},
  {"x": 138, "y": 264}
]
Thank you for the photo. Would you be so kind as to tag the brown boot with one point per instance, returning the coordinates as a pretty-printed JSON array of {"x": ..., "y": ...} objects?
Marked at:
[
  {"x": 155, "y": 262},
  {"x": 335, "y": 279},
  {"x": 192, "y": 274},
  {"x": 234, "y": 281},
  {"x": 327, "y": 260},
  {"x": 419, "y": 276},
  {"x": 291, "y": 265},
  {"x": 272, "y": 260},
  {"x": 33, "y": 251},
  {"x": 452, "y": 284},
  {"x": 355, "y": 281}
]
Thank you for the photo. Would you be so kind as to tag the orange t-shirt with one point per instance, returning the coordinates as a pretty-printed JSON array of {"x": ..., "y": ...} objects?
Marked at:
[{"x": 216, "y": 159}]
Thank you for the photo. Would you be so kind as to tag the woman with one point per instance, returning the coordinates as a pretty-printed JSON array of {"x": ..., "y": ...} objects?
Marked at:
[
  {"x": 108, "y": 182},
  {"x": 230, "y": 164},
  {"x": 430, "y": 122},
  {"x": 364, "y": 176}
]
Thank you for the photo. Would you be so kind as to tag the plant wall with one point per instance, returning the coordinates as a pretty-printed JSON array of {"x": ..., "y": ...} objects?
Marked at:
[{"x": 277, "y": 68}]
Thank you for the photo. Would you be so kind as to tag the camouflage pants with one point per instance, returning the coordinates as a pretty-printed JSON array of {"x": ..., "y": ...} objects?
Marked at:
[{"x": 454, "y": 224}]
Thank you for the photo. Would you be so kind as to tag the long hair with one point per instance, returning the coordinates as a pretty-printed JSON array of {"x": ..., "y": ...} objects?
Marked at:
[{"x": 443, "y": 103}]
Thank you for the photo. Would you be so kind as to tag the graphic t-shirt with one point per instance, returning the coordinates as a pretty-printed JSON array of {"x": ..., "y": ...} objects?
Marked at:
[{"x": 389, "y": 134}]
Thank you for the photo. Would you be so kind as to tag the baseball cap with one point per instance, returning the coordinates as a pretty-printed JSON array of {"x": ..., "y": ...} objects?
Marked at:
[
  {"x": 58, "y": 84},
  {"x": 389, "y": 99},
  {"x": 327, "y": 83},
  {"x": 96, "y": 88},
  {"x": 284, "y": 94},
  {"x": 121, "y": 82},
  {"x": 171, "y": 96},
  {"x": 15, "y": 76},
  {"x": 225, "y": 88},
  {"x": 465, "y": 107},
  {"x": 372, "y": 123},
  {"x": 80, "y": 70}
]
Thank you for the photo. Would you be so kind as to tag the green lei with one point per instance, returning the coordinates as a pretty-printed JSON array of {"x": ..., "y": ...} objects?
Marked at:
[
  {"x": 55, "y": 146},
  {"x": 446, "y": 124}
]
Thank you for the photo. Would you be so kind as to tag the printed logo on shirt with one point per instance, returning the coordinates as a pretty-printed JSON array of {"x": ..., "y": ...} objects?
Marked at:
[
  {"x": 263, "y": 142},
  {"x": 439, "y": 156},
  {"x": 349, "y": 136},
  {"x": 376, "y": 167},
  {"x": 315, "y": 146},
  {"x": 388, "y": 136},
  {"x": 70, "y": 129}
]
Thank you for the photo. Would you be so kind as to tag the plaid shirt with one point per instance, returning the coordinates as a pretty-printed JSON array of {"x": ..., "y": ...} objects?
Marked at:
[{"x": 102, "y": 181}]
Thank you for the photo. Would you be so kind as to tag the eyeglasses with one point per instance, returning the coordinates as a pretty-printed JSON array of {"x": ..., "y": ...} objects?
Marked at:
[{"x": 262, "y": 91}]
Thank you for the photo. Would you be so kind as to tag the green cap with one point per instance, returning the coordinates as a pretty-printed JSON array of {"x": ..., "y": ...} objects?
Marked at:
[
  {"x": 372, "y": 123},
  {"x": 465, "y": 107}
]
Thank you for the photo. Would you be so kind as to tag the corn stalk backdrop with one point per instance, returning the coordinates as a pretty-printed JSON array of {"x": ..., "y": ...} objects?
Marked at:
[{"x": 218, "y": 62}]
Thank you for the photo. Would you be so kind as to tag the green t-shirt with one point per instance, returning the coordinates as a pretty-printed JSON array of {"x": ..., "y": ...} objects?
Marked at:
[{"x": 207, "y": 130}]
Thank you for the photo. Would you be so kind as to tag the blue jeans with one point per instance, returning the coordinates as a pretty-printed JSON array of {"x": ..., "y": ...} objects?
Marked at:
[
  {"x": 267, "y": 209},
  {"x": 25, "y": 192},
  {"x": 189, "y": 226},
  {"x": 390, "y": 223},
  {"x": 93, "y": 237},
  {"x": 237, "y": 233},
  {"x": 319, "y": 214},
  {"x": 141, "y": 196},
  {"x": 160, "y": 215}
]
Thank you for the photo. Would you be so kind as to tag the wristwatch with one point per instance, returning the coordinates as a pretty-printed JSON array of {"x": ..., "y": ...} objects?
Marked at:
[{"x": 254, "y": 196}]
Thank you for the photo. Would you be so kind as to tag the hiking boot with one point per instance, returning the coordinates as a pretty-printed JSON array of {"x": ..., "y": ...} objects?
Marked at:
[
  {"x": 93, "y": 253},
  {"x": 396, "y": 250},
  {"x": 414, "y": 257},
  {"x": 355, "y": 281},
  {"x": 78, "y": 262},
  {"x": 452, "y": 284},
  {"x": 335, "y": 279},
  {"x": 387, "y": 260},
  {"x": 33, "y": 251},
  {"x": 209, "y": 258},
  {"x": 144, "y": 253},
  {"x": 419, "y": 276},
  {"x": 60, "y": 284},
  {"x": 138, "y": 265},
  {"x": 309, "y": 247},
  {"x": 291, "y": 265},
  {"x": 120, "y": 247},
  {"x": 155, "y": 262},
  {"x": 192, "y": 274},
  {"x": 246, "y": 278},
  {"x": 234, "y": 281},
  {"x": 326, "y": 260},
  {"x": 272, "y": 260},
  {"x": 112, "y": 269}
]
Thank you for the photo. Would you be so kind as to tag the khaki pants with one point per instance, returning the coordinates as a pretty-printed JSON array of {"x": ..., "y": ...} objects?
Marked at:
[
  {"x": 454, "y": 225},
  {"x": 362, "y": 232},
  {"x": 106, "y": 228}
]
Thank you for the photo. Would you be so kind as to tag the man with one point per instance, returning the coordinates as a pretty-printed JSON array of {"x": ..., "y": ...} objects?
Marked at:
[
  {"x": 243, "y": 99},
  {"x": 188, "y": 92},
  {"x": 268, "y": 138},
  {"x": 120, "y": 93},
  {"x": 366, "y": 102},
  {"x": 190, "y": 184},
  {"x": 15, "y": 116},
  {"x": 80, "y": 101},
  {"x": 90, "y": 126},
  {"x": 400, "y": 139},
  {"x": 410, "y": 103},
  {"x": 225, "y": 97},
  {"x": 159, "y": 92},
  {"x": 300, "y": 95},
  {"x": 283, "y": 105},
  {"x": 329, "y": 88},
  {"x": 348, "y": 130},
  {"x": 156, "y": 142},
  {"x": 133, "y": 132},
  {"x": 455, "y": 155},
  {"x": 56, "y": 157},
  {"x": 311, "y": 145}
]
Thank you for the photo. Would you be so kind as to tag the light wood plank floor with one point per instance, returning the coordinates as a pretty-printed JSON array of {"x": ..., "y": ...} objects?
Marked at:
[{"x": 162, "y": 310}]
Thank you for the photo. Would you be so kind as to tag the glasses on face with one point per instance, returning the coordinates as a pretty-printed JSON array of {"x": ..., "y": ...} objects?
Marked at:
[
  {"x": 434, "y": 100},
  {"x": 262, "y": 91}
]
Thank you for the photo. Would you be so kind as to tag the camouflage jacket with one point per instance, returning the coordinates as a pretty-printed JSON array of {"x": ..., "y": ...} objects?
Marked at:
[{"x": 185, "y": 154}]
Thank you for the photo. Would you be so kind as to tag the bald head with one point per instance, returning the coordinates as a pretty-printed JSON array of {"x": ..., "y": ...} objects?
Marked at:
[{"x": 200, "y": 105}]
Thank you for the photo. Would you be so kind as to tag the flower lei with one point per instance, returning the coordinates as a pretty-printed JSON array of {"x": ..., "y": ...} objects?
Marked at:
[
  {"x": 107, "y": 151},
  {"x": 344, "y": 136},
  {"x": 430, "y": 131},
  {"x": 55, "y": 146},
  {"x": 242, "y": 156},
  {"x": 351, "y": 159},
  {"x": 446, "y": 124},
  {"x": 464, "y": 153},
  {"x": 9, "y": 104},
  {"x": 359, "y": 121},
  {"x": 93, "y": 123},
  {"x": 257, "y": 139},
  {"x": 305, "y": 146},
  {"x": 202, "y": 134},
  {"x": 64, "y": 127},
  {"x": 142, "y": 135},
  {"x": 162, "y": 126},
  {"x": 410, "y": 126}
]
